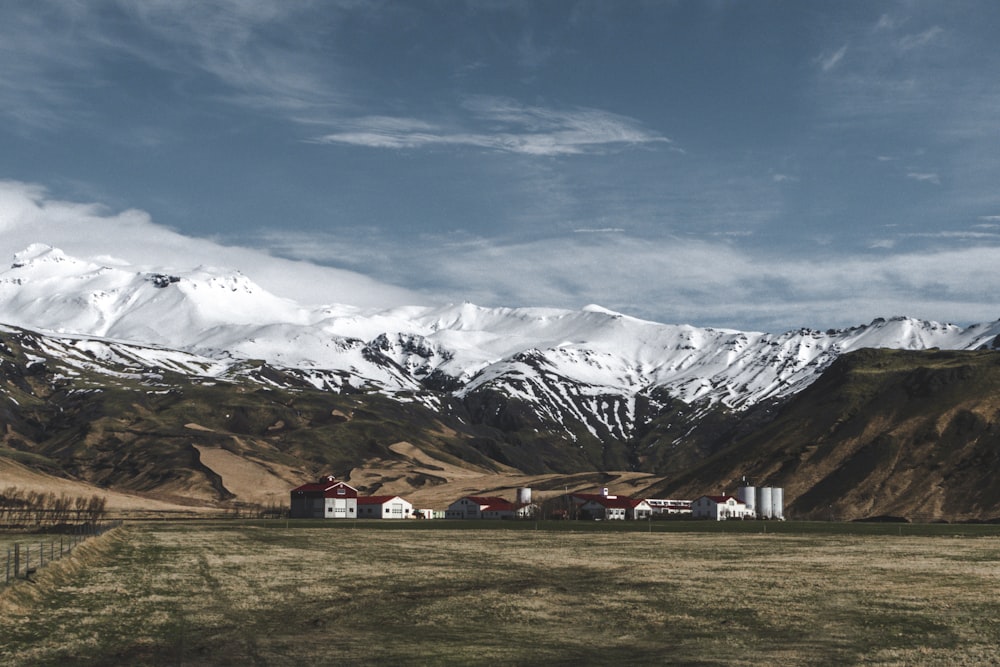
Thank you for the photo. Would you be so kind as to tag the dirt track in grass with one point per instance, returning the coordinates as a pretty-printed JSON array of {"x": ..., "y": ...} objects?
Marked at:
[{"x": 267, "y": 594}]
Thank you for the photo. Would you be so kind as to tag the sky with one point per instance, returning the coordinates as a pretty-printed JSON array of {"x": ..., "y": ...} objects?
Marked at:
[{"x": 750, "y": 165}]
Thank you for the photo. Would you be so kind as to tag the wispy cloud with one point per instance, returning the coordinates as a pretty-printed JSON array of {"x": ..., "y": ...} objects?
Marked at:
[
  {"x": 924, "y": 177},
  {"x": 504, "y": 125},
  {"x": 675, "y": 279},
  {"x": 828, "y": 61},
  {"x": 919, "y": 40},
  {"x": 49, "y": 49}
]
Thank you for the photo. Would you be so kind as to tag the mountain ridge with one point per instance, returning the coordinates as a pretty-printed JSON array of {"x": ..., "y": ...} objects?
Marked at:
[
  {"x": 539, "y": 390},
  {"x": 224, "y": 316}
]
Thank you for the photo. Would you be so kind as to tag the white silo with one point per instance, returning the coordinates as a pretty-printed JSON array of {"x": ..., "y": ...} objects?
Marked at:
[
  {"x": 524, "y": 496},
  {"x": 764, "y": 498},
  {"x": 778, "y": 502},
  {"x": 748, "y": 496}
]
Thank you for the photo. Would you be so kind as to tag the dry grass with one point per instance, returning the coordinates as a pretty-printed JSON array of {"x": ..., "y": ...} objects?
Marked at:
[
  {"x": 13, "y": 473},
  {"x": 218, "y": 594}
]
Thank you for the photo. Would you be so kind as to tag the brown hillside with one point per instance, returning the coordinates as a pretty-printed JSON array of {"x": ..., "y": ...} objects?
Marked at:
[{"x": 881, "y": 433}]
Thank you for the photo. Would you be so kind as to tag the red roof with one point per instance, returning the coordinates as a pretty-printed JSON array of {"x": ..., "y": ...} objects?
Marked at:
[
  {"x": 314, "y": 486},
  {"x": 618, "y": 502},
  {"x": 500, "y": 506}
]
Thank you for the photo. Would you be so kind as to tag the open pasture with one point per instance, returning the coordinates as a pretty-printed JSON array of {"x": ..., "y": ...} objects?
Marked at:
[{"x": 217, "y": 593}]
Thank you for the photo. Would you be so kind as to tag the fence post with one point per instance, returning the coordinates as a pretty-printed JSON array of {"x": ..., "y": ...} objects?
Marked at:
[
  {"x": 17, "y": 558},
  {"x": 41, "y": 555},
  {"x": 7, "y": 580}
]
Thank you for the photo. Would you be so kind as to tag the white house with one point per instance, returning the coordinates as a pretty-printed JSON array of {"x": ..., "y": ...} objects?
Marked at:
[
  {"x": 325, "y": 499},
  {"x": 720, "y": 508},
  {"x": 384, "y": 507}
]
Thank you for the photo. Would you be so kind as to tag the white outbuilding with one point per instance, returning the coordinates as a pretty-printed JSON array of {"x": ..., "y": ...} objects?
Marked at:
[
  {"x": 720, "y": 508},
  {"x": 384, "y": 507}
]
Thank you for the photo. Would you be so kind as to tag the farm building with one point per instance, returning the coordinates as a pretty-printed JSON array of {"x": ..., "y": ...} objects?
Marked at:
[
  {"x": 488, "y": 507},
  {"x": 384, "y": 507},
  {"x": 615, "y": 508},
  {"x": 669, "y": 506},
  {"x": 720, "y": 508},
  {"x": 325, "y": 499}
]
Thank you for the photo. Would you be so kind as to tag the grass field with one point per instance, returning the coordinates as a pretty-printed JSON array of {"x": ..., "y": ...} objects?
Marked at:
[{"x": 217, "y": 593}]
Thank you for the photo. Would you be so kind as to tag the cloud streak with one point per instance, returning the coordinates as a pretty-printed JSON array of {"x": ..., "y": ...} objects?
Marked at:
[
  {"x": 670, "y": 279},
  {"x": 680, "y": 280},
  {"x": 517, "y": 128},
  {"x": 828, "y": 61}
]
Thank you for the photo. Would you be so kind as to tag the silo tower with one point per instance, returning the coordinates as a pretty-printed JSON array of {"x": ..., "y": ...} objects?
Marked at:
[
  {"x": 764, "y": 503},
  {"x": 778, "y": 502}
]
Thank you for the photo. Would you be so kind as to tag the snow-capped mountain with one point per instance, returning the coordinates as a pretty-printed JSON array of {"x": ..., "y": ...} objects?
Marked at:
[{"x": 587, "y": 367}]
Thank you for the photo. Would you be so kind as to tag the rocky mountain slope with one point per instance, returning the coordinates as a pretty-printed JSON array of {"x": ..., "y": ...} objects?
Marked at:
[{"x": 898, "y": 433}]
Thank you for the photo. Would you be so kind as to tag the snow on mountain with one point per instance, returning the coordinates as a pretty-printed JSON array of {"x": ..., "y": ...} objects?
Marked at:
[{"x": 587, "y": 365}]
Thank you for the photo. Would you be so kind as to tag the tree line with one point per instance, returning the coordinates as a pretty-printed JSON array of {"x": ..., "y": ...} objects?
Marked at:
[{"x": 25, "y": 508}]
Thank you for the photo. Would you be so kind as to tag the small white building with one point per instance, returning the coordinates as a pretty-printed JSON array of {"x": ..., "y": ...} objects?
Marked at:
[
  {"x": 384, "y": 507},
  {"x": 720, "y": 508}
]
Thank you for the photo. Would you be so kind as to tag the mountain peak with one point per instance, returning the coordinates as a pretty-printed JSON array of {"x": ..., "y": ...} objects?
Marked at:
[{"x": 39, "y": 253}]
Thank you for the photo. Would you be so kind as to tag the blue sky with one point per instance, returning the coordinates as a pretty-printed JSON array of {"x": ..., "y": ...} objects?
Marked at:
[{"x": 753, "y": 165}]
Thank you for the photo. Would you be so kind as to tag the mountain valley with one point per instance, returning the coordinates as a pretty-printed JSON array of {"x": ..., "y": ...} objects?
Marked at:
[{"x": 199, "y": 389}]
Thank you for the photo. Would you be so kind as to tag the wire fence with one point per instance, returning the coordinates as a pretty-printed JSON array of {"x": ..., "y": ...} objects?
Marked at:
[{"x": 25, "y": 558}]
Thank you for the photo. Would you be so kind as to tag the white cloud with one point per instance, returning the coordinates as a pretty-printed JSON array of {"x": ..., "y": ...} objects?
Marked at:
[
  {"x": 828, "y": 61},
  {"x": 919, "y": 40},
  {"x": 90, "y": 231},
  {"x": 924, "y": 177},
  {"x": 679, "y": 280},
  {"x": 718, "y": 283},
  {"x": 885, "y": 22},
  {"x": 48, "y": 47},
  {"x": 503, "y": 125}
]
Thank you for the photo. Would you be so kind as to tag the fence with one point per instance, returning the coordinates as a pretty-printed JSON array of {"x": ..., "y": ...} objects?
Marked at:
[{"x": 26, "y": 558}]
